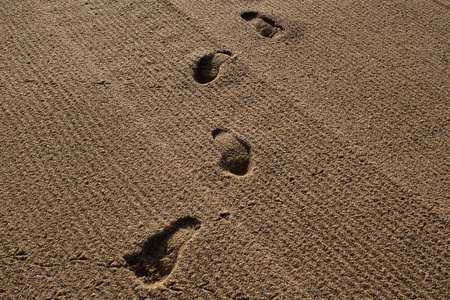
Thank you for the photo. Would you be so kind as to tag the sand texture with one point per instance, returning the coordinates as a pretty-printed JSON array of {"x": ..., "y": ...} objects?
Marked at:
[{"x": 224, "y": 149}]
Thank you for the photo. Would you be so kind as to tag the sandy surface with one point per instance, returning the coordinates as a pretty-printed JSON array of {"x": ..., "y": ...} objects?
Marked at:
[{"x": 180, "y": 149}]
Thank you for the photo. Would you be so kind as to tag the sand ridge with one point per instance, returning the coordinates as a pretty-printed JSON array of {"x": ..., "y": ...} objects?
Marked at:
[{"x": 224, "y": 149}]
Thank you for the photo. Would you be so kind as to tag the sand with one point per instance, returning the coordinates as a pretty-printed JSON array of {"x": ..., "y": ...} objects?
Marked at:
[{"x": 186, "y": 149}]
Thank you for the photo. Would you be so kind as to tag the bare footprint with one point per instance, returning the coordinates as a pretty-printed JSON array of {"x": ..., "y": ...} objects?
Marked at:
[
  {"x": 159, "y": 253},
  {"x": 263, "y": 25},
  {"x": 207, "y": 68},
  {"x": 235, "y": 152}
]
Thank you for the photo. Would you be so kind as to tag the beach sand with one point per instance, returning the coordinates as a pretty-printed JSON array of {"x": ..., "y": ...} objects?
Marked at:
[{"x": 203, "y": 149}]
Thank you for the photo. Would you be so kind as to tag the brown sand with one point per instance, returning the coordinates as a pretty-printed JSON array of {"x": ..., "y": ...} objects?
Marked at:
[{"x": 181, "y": 149}]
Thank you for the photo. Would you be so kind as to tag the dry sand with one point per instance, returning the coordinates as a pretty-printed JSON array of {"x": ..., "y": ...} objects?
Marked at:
[{"x": 181, "y": 149}]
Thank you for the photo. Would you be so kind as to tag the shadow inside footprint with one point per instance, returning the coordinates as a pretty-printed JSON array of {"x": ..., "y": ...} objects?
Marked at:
[
  {"x": 263, "y": 25},
  {"x": 159, "y": 253},
  {"x": 207, "y": 68},
  {"x": 235, "y": 152}
]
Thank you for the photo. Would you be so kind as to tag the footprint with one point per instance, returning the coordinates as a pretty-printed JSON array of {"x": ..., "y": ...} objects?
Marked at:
[
  {"x": 207, "y": 68},
  {"x": 235, "y": 152},
  {"x": 263, "y": 25},
  {"x": 158, "y": 255}
]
